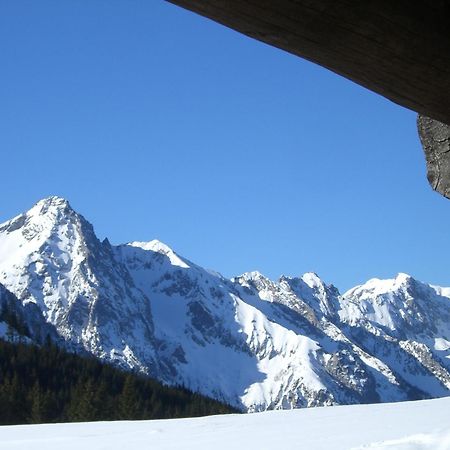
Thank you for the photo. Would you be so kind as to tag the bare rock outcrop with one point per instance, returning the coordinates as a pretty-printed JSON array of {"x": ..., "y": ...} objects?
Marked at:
[{"x": 435, "y": 138}]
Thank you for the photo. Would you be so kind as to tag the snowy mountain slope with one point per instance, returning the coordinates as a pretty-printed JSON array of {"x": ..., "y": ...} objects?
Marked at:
[
  {"x": 252, "y": 342},
  {"x": 261, "y": 348},
  {"x": 420, "y": 425},
  {"x": 21, "y": 320},
  {"x": 50, "y": 257},
  {"x": 406, "y": 321}
]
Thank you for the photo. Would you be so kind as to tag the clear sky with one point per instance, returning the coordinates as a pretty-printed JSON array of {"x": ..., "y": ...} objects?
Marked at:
[{"x": 157, "y": 123}]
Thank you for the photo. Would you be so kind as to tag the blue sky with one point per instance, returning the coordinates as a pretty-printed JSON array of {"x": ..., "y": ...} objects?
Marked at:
[{"x": 157, "y": 123}]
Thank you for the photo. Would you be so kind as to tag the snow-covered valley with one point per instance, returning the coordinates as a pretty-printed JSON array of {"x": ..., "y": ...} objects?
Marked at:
[
  {"x": 420, "y": 425},
  {"x": 254, "y": 343}
]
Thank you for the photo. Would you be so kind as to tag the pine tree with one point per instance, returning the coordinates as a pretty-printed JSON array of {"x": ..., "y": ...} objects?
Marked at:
[
  {"x": 129, "y": 401},
  {"x": 6, "y": 402},
  {"x": 47, "y": 384},
  {"x": 102, "y": 402},
  {"x": 38, "y": 411},
  {"x": 17, "y": 400}
]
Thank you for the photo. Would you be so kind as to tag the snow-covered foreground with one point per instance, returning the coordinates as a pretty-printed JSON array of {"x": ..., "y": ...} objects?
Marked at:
[{"x": 416, "y": 425}]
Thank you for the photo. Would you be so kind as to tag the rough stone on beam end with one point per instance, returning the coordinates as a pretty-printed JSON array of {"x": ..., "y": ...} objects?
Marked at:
[{"x": 435, "y": 138}]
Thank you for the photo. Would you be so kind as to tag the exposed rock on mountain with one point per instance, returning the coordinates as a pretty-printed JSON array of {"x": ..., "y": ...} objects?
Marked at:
[{"x": 249, "y": 341}]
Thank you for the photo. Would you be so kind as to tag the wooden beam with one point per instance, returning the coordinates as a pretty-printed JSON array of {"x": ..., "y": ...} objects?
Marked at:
[{"x": 397, "y": 48}]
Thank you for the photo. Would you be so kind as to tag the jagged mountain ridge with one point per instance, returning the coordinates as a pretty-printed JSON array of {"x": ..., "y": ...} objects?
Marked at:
[{"x": 252, "y": 342}]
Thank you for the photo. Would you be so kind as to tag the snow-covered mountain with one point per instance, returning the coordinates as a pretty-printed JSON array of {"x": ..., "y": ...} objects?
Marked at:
[
  {"x": 50, "y": 257},
  {"x": 252, "y": 342}
]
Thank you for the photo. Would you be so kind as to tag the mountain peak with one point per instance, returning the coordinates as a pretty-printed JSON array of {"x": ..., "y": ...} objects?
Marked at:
[
  {"x": 53, "y": 208},
  {"x": 403, "y": 278},
  {"x": 159, "y": 247},
  {"x": 50, "y": 203},
  {"x": 44, "y": 213},
  {"x": 312, "y": 279},
  {"x": 50, "y": 220},
  {"x": 251, "y": 342},
  {"x": 252, "y": 277},
  {"x": 377, "y": 286},
  {"x": 52, "y": 211},
  {"x": 53, "y": 200},
  {"x": 153, "y": 245}
]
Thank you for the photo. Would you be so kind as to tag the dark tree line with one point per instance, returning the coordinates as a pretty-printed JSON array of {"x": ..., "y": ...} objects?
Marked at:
[{"x": 40, "y": 384}]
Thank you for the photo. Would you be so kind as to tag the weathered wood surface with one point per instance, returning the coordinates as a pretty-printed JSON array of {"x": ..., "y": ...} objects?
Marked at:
[{"x": 397, "y": 48}]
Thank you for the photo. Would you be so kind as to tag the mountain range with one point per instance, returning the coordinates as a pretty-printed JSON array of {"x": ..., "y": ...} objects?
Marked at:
[{"x": 251, "y": 342}]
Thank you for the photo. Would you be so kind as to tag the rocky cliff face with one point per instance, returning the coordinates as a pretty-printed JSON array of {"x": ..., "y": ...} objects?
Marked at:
[
  {"x": 50, "y": 257},
  {"x": 435, "y": 139},
  {"x": 252, "y": 342}
]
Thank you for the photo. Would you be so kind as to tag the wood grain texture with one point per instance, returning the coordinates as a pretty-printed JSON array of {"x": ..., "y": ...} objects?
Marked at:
[{"x": 397, "y": 48}]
